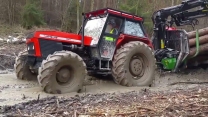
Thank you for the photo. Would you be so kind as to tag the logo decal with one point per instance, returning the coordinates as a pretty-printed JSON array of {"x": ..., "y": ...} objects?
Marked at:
[{"x": 59, "y": 38}]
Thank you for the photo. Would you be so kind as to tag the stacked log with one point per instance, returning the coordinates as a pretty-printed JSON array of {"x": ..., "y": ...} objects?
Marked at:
[{"x": 203, "y": 46}]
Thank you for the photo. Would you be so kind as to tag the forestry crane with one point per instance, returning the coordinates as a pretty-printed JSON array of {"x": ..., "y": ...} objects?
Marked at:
[{"x": 171, "y": 45}]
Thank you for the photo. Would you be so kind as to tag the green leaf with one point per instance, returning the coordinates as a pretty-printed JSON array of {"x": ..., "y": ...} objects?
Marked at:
[{"x": 32, "y": 14}]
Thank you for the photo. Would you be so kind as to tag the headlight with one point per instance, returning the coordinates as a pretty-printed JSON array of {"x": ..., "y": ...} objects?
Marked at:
[{"x": 30, "y": 47}]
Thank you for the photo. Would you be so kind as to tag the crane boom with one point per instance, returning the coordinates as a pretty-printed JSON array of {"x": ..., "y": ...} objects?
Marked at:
[
  {"x": 179, "y": 15},
  {"x": 182, "y": 14}
]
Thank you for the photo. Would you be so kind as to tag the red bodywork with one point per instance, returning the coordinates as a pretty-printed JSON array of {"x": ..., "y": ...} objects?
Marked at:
[
  {"x": 171, "y": 28},
  {"x": 123, "y": 38},
  {"x": 57, "y": 36},
  {"x": 76, "y": 39}
]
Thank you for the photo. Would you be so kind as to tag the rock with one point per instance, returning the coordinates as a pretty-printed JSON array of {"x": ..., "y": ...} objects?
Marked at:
[
  {"x": 66, "y": 113},
  {"x": 20, "y": 106},
  {"x": 17, "y": 87},
  {"x": 2, "y": 100},
  {"x": 1, "y": 40},
  {"x": 3, "y": 72}
]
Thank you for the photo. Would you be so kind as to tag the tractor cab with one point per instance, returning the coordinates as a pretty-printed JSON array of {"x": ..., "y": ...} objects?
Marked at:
[{"x": 105, "y": 27}]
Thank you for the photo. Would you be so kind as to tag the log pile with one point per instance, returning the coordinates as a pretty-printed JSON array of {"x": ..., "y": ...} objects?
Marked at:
[{"x": 203, "y": 46}]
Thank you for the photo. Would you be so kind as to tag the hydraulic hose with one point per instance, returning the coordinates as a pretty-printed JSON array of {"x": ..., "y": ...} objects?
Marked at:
[
  {"x": 197, "y": 43},
  {"x": 197, "y": 46}
]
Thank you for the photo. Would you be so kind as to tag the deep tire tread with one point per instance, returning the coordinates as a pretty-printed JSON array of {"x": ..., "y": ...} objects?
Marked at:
[
  {"x": 22, "y": 71},
  {"x": 118, "y": 70},
  {"x": 48, "y": 66}
]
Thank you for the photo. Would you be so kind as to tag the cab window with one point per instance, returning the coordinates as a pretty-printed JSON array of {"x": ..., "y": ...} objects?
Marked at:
[
  {"x": 133, "y": 28},
  {"x": 114, "y": 23}
]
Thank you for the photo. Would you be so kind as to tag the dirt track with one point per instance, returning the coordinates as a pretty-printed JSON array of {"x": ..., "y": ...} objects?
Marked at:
[
  {"x": 13, "y": 91},
  {"x": 18, "y": 97}
]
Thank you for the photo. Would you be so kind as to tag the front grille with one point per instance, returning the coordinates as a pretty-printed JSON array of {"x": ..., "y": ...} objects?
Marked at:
[
  {"x": 30, "y": 49},
  {"x": 49, "y": 47}
]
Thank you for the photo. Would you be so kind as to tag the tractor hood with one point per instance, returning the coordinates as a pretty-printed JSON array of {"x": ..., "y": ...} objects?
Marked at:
[{"x": 61, "y": 37}]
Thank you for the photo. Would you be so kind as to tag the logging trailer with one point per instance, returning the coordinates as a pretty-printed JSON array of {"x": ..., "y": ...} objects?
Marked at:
[{"x": 111, "y": 43}]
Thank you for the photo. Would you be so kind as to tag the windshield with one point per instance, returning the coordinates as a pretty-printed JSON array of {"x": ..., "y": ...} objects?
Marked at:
[{"x": 93, "y": 28}]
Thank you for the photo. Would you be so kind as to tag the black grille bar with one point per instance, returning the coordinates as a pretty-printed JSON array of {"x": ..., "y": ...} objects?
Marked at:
[{"x": 49, "y": 47}]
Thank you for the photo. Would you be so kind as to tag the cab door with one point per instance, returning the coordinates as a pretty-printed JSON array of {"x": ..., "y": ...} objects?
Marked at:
[{"x": 109, "y": 37}]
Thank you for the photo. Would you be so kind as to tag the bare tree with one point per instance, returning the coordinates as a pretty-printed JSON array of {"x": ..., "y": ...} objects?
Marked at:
[
  {"x": 78, "y": 15},
  {"x": 92, "y": 5}
]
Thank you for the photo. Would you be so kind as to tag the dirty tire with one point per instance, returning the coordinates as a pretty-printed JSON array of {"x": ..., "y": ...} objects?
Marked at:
[
  {"x": 70, "y": 80},
  {"x": 22, "y": 69},
  {"x": 144, "y": 65}
]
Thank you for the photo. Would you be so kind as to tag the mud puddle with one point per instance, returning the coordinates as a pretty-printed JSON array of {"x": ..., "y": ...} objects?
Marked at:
[{"x": 13, "y": 91}]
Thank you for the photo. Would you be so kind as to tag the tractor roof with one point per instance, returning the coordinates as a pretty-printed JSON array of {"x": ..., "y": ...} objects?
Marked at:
[{"x": 114, "y": 12}]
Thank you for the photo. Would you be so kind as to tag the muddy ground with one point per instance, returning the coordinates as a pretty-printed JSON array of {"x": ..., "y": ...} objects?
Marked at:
[
  {"x": 15, "y": 91},
  {"x": 8, "y": 52},
  {"x": 104, "y": 96},
  {"x": 183, "y": 94}
]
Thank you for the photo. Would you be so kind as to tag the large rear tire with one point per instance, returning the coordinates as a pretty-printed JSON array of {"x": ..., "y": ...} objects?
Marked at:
[
  {"x": 22, "y": 69},
  {"x": 134, "y": 64},
  {"x": 62, "y": 72}
]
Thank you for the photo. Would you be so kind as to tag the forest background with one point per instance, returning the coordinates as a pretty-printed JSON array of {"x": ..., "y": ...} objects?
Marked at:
[{"x": 65, "y": 15}]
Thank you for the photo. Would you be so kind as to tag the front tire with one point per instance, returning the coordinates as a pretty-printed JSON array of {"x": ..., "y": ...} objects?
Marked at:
[
  {"x": 62, "y": 72},
  {"x": 134, "y": 64},
  {"x": 22, "y": 69}
]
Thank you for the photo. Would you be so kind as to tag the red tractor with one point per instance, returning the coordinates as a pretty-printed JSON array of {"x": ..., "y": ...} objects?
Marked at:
[{"x": 110, "y": 42}]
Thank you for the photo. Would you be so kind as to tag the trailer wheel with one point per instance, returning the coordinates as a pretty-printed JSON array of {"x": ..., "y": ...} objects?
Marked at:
[
  {"x": 134, "y": 64},
  {"x": 62, "y": 72},
  {"x": 22, "y": 69}
]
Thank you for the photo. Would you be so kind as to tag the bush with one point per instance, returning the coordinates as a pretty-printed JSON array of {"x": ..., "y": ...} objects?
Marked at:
[
  {"x": 139, "y": 8},
  {"x": 32, "y": 15}
]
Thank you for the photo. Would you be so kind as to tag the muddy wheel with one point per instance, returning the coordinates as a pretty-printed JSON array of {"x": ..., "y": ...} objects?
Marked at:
[
  {"x": 22, "y": 69},
  {"x": 62, "y": 72},
  {"x": 134, "y": 65}
]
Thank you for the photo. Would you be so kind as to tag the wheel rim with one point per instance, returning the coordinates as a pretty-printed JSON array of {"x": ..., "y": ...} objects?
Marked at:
[
  {"x": 64, "y": 75},
  {"x": 136, "y": 67}
]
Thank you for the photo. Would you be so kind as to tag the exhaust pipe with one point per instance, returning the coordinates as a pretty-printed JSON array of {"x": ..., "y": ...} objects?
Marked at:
[{"x": 83, "y": 20}]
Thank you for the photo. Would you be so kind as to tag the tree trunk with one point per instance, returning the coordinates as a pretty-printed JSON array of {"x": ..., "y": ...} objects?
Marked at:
[
  {"x": 172, "y": 2},
  {"x": 202, "y": 48},
  {"x": 84, "y": 6},
  {"x": 105, "y": 3},
  {"x": 202, "y": 32},
  {"x": 92, "y": 5},
  {"x": 77, "y": 16},
  {"x": 202, "y": 40},
  {"x": 64, "y": 17},
  {"x": 117, "y": 4},
  {"x": 137, "y": 5}
]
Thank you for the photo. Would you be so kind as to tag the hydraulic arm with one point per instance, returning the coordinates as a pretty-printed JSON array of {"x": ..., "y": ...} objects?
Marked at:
[
  {"x": 182, "y": 14},
  {"x": 179, "y": 15}
]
